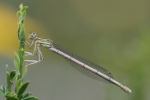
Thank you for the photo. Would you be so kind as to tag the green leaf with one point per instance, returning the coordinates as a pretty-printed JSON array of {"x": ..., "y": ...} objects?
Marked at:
[
  {"x": 21, "y": 33},
  {"x": 2, "y": 92},
  {"x": 3, "y": 89},
  {"x": 27, "y": 95},
  {"x": 17, "y": 62},
  {"x": 18, "y": 85},
  {"x": 12, "y": 74},
  {"x": 8, "y": 82},
  {"x": 22, "y": 9},
  {"x": 22, "y": 89},
  {"x": 25, "y": 70},
  {"x": 30, "y": 98}
]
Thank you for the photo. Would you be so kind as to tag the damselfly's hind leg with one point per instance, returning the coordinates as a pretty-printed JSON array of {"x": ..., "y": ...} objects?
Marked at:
[{"x": 31, "y": 62}]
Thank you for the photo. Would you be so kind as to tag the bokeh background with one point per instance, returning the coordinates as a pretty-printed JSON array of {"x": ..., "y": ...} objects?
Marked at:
[{"x": 112, "y": 33}]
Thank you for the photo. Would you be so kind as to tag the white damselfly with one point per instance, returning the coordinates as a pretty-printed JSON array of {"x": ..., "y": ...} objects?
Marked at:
[{"x": 87, "y": 67}]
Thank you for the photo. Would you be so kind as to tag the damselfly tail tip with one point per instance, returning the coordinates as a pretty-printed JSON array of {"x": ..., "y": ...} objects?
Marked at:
[{"x": 126, "y": 89}]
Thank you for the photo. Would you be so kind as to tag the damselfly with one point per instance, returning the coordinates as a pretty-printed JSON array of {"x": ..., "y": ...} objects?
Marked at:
[{"x": 88, "y": 67}]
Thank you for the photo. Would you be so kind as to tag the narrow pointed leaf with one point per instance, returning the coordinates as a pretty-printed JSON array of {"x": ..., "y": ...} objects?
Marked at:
[
  {"x": 1, "y": 92},
  {"x": 22, "y": 89},
  {"x": 8, "y": 81},
  {"x": 17, "y": 62},
  {"x": 3, "y": 89}
]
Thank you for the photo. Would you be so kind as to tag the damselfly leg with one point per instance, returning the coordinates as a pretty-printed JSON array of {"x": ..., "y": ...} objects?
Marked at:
[{"x": 36, "y": 51}]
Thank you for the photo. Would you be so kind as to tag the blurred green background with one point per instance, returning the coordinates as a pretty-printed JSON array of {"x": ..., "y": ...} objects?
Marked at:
[{"x": 112, "y": 33}]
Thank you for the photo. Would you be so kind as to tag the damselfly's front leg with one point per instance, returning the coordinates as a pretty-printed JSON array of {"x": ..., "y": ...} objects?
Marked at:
[{"x": 36, "y": 51}]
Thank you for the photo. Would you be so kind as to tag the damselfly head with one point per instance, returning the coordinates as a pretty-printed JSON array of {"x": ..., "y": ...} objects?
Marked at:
[{"x": 32, "y": 35}]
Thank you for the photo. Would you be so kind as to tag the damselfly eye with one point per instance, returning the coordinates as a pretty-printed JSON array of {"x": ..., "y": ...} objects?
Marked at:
[{"x": 32, "y": 35}]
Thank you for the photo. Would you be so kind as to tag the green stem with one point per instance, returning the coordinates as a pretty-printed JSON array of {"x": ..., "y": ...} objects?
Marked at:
[{"x": 21, "y": 37}]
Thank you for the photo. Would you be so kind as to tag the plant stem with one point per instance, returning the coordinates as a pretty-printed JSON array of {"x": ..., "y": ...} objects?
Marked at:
[{"x": 21, "y": 37}]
